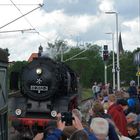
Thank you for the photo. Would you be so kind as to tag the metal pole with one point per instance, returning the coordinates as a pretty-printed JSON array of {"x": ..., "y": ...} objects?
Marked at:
[
  {"x": 61, "y": 53},
  {"x": 105, "y": 70},
  {"x": 113, "y": 55},
  {"x": 117, "y": 46},
  {"x": 139, "y": 21},
  {"x": 118, "y": 63},
  {"x": 113, "y": 60}
]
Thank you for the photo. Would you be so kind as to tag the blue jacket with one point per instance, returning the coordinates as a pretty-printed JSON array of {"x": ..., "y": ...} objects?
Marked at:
[
  {"x": 58, "y": 133},
  {"x": 112, "y": 134},
  {"x": 91, "y": 136},
  {"x": 55, "y": 135}
]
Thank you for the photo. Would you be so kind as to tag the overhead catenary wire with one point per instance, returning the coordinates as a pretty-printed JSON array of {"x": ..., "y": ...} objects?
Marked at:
[
  {"x": 11, "y": 31},
  {"x": 28, "y": 20},
  {"x": 21, "y": 16},
  {"x": 25, "y": 4},
  {"x": 77, "y": 54}
]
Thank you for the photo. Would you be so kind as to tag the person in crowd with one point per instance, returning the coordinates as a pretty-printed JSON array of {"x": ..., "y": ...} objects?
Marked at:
[
  {"x": 131, "y": 117},
  {"x": 129, "y": 105},
  {"x": 124, "y": 104},
  {"x": 85, "y": 106},
  {"x": 100, "y": 98},
  {"x": 77, "y": 113},
  {"x": 68, "y": 130},
  {"x": 95, "y": 90},
  {"x": 117, "y": 114},
  {"x": 110, "y": 89},
  {"x": 100, "y": 127},
  {"x": 133, "y": 104},
  {"x": 105, "y": 96},
  {"x": 58, "y": 132},
  {"x": 120, "y": 136},
  {"x": 55, "y": 134},
  {"x": 39, "y": 136},
  {"x": 98, "y": 111},
  {"x": 138, "y": 92},
  {"x": 138, "y": 121},
  {"x": 78, "y": 125},
  {"x": 119, "y": 94},
  {"x": 133, "y": 131},
  {"x": 132, "y": 90},
  {"x": 79, "y": 135}
]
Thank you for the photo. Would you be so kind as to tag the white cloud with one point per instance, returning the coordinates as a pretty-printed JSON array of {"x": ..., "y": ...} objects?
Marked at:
[
  {"x": 132, "y": 36},
  {"x": 57, "y": 24},
  {"x": 133, "y": 24},
  {"x": 106, "y": 5},
  {"x": 19, "y": 44},
  {"x": 66, "y": 25},
  {"x": 51, "y": 25},
  {"x": 68, "y": 1}
]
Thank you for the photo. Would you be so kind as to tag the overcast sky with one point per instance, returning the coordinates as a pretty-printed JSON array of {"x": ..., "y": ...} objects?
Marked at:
[{"x": 71, "y": 20}]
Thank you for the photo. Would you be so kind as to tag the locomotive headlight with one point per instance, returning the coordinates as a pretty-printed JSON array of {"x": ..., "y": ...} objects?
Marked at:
[
  {"x": 38, "y": 71},
  {"x": 53, "y": 113},
  {"x": 18, "y": 112}
]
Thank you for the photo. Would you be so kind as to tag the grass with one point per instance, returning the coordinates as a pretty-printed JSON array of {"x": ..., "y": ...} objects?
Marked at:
[{"x": 86, "y": 93}]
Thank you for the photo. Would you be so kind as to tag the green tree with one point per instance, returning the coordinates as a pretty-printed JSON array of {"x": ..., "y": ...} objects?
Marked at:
[
  {"x": 127, "y": 67},
  {"x": 17, "y": 66},
  {"x": 88, "y": 64}
]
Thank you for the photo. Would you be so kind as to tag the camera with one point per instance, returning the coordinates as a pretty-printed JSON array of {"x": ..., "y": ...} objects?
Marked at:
[{"x": 67, "y": 117}]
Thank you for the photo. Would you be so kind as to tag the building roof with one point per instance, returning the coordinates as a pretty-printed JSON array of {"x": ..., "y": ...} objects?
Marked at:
[{"x": 33, "y": 55}]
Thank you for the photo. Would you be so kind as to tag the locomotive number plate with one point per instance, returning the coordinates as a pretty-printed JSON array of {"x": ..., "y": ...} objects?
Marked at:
[{"x": 39, "y": 88}]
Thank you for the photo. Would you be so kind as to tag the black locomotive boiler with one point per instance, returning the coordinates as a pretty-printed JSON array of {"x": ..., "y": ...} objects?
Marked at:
[{"x": 46, "y": 86}]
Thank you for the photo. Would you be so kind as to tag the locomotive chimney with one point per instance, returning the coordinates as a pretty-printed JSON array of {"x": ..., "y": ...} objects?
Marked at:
[{"x": 40, "y": 50}]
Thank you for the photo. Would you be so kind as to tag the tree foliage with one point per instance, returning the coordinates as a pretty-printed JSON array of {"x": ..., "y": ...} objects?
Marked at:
[
  {"x": 17, "y": 66},
  {"x": 128, "y": 68},
  {"x": 89, "y": 65}
]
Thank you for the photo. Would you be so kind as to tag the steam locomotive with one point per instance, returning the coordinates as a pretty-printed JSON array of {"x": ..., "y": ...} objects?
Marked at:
[{"x": 46, "y": 87}]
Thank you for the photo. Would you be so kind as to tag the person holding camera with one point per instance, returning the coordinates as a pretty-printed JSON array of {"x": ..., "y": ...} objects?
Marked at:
[
  {"x": 56, "y": 134},
  {"x": 80, "y": 132},
  {"x": 79, "y": 135},
  {"x": 39, "y": 136}
]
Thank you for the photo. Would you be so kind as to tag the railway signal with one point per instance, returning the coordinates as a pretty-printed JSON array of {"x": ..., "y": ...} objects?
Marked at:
[{"x": 105, "y": 53}]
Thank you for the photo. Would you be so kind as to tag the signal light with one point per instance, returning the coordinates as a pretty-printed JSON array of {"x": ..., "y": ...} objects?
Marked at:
[
  {"x": 106, "y": 47},
  {"x": 105, "y": 53}
]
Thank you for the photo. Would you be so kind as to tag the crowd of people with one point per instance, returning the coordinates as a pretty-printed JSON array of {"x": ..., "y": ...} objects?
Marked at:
[{"x": 109, "y": 115}]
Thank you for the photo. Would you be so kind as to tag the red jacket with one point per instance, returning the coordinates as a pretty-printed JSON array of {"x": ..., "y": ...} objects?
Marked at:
[{"x": 118, "y": 116}]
